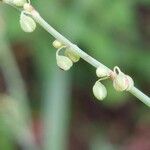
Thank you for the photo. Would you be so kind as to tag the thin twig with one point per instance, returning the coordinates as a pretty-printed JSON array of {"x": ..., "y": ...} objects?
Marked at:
[
  {"x": 36, "y": 16},
  {"x": 136, "y": 92}
]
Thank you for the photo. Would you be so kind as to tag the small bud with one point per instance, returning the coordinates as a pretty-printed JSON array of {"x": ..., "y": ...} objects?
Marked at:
[
  {"x": 57, "y": 44},
  {"x": 72, "y": 55},
  {"x": 64, "y": 62},
  {"x": 99, "y": 91},
  {"x": 19, "y": 2},
  {"x": 27, "y": 23},
  {"x": 102, "y": 72},
  {"x": 120, "y": 82}
]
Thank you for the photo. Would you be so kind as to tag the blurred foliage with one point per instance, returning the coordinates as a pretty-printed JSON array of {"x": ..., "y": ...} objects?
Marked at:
[{"x": 114, "y": 32}]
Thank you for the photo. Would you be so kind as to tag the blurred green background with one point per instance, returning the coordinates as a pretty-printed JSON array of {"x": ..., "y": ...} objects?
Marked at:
[{"x": 45, "y": 108}]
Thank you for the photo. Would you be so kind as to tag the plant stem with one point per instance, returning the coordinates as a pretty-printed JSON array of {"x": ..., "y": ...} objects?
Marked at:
[
  {"x": 66, "y": 42},
  {"x": 36, "y": 16},
  {"x": 141, "y": 96}
]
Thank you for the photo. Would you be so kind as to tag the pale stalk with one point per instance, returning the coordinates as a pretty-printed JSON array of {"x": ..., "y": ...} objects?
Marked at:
[{"x": 36, "y": 16}]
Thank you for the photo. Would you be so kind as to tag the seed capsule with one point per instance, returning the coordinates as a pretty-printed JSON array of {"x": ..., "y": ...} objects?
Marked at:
[
  {"x": 99, "y": 90},
  {"x": 102, "y": 72},
  {"x": 27, "y": 23},
  {"x": 57, "y": 44},
  {"x": 120, "y": 82},
  {"x": 19, "y": 2},
  {"x": 64, "y": 62},
  {"x": 72, "y": 55}
]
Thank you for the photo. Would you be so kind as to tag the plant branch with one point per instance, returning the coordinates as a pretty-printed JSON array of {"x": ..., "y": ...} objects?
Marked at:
[
  {"x": 65, "y": 41},
  {"x": 36, "y": 16}
]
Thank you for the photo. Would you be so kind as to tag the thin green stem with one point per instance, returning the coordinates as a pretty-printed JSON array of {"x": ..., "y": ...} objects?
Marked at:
[
  {"x": 66, "y": 42},
  {"x": 141, "y": 96},
  {"x": 36, "y": 16}
]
